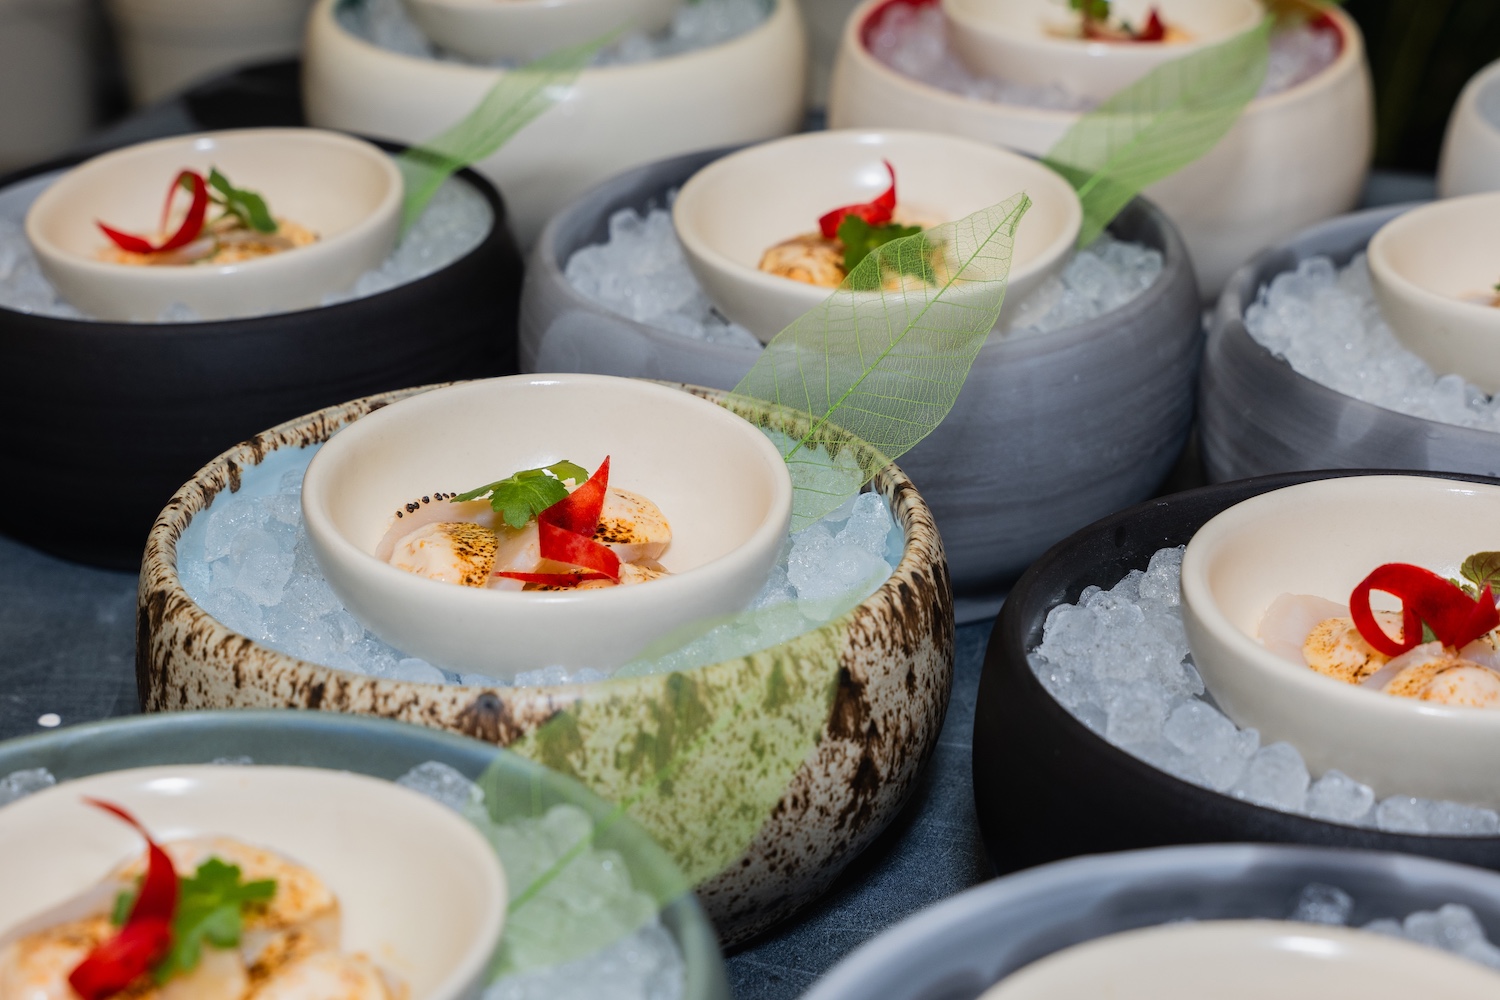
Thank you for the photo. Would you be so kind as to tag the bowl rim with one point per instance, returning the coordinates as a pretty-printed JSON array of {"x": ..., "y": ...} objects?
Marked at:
[
  {"x": 326, "y": 10},
  {"x": 765, "y": 535},
  {"x": 1385, "y": 272},
  {"x": 369, "y": 226},
  {"x": 694, "y": 245},
  {"x": 1198, "y": 599},
  {"x": 853, "y": 46}
]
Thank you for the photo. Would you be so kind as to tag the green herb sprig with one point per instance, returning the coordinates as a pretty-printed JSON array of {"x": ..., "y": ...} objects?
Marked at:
[
  {"x": 526, "y": 494},
  {"x": 1479, "y": 569},
  {"x": 246, "y": 206},
  {"x": 210, "y": 907},
  {"x": 1092, "y": 10},
  {"x": 860, "y": 239}
]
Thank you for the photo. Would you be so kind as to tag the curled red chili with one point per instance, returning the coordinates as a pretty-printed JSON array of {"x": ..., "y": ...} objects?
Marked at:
[
  {"x": 192, "y": 223},
  {"x": 876, "y": 213},
  {"x": 565, "y": 534},
  {"x": 553, "y": 579},
  {"x": 147, "y": 935},
  {"x": 1455, "y": 618}
]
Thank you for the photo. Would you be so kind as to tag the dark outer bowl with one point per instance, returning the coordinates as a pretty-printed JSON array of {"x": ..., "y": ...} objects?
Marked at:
[
  {"x": 1047, "y": 787},
  {"x": 129, "y": 411},
  {"x": 1258, "y": 416},
  {"x": 366, "y": 746},
  {"x": 958, "y": 948},
  {"x": 1049, "y": 432}
]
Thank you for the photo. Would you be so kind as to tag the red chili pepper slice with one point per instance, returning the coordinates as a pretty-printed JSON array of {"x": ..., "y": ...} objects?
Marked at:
[
  {"x": 147, "y": 934},
  {"x": 564, "y": 546},
  {"x": 192, "y": 223},
  {"x": 1455, "y": 618},
  {"x": 1154, "y": 31},
  {"x": 578, "y": 512},
  {"x": 553, "y": 579},
  {"x": 876, "y": 213}
]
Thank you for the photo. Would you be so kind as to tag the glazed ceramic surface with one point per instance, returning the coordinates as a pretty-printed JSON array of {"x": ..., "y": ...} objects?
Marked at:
[
  {"x": 1029, "y": 41},
  {"x": 45, "y": 48},
  {"x": 433, "y": 920},
  {"x": 892, "y": 657},
  {"x": 964, "y": 944},
  {"x": 382, "y": 749},
  {"x": 1066, "y": 427},
  {"x": 149, "y": 403},
  {"x": 345, "y": 190},
  {"x": 738, "y": 207},
  {"x": 720, "y": 483},
  {"x": 168, "y": 44},
  {"x": 1293, "y": 158},
  {"x": 613, "y": 117},
  {"x": 1434, "y": 276},
  {"x": 1257, "y": 415},
  {"x": 1470, "y": 160},
  {"x": 529, "y": 29},
  {"x": 1322, "y": 539},
  {"x": 1047, "y": 787}
]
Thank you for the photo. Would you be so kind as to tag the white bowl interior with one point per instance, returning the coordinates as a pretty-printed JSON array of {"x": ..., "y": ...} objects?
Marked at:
[
  {"x": 1040, "y": 21},
  {"x": 422, "y": 893},
  {"x": 1248, "y": 960},
  {"x": 1445, "y": 248}
]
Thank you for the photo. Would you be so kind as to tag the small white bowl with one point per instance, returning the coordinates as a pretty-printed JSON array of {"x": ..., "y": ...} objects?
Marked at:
[
  {"x": 1248, "y": 960},
  {"x": 1323, "y": 538},
  {"x": 1427, "y": 268},
  {"x": 720, "y": 482},
  {"x": 1023, "y": 41},
  {"x": 737, "y": 207},
  {"x": 1470, "y": 160},
  {"x": 528, "y": 29},
  {"x": 346, "y": 190},
  {"x": 421, "y": 891}
]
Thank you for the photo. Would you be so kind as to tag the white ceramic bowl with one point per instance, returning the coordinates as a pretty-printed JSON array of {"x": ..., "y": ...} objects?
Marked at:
[
  {"x": 1024, "y": 41},
  {"x": 720, "y": 482},
  {"x": 1293, "y": 159},
  {"x": 168, "y": 44},
  {"x": 344, "y": 189},
  {"x": 1248, "y": 960},
  {"x": 421, "y": 891},
  {"x": 1433, "y": 271},
  {"x": 613, "y": 118},
  {"x": 737, "y": 207},
  {"x": 1470, "y": 160},
  {"x": 528, "y": 29},
  {"x": 1323, "y": 538}
]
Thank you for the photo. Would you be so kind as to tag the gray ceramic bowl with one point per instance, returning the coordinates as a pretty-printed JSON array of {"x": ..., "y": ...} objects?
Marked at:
[
  {"x": 1049, "y": 433},
  {"x": 958, "y": 948},
  {"x": 890, "y": 661},
  {"x": 1257, "y": 416},
  {"x": 366, "y": 746}
]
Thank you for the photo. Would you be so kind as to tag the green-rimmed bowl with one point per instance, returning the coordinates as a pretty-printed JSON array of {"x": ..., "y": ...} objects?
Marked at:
[{"x": 829, "y": 730}]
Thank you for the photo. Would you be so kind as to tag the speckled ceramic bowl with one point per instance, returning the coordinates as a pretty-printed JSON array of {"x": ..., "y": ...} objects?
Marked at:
[
  {"x": 1257, "y": 415},
  {"x": 892, "y": 657},
  {"x": 1068, "y": 426}
]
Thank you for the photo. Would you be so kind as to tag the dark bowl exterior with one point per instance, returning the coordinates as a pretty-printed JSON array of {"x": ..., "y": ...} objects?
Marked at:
[
  {"x": 1258, "y": 416},
  {"x": 1048, "y": 433},
  {"x": 127, "y": 412},
  {"x": 1047, "y": 787}
]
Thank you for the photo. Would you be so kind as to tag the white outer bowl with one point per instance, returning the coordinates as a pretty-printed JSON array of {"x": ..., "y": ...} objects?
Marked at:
[
  {"x": 1323, "y": 538},
  {"x": 1293, "y": 159},
  {"x": 421, "y": 891},
  {"x": 1248, "y": 960},
  {"x": 344, "y": 189},
  {"x": 168, "y": 44},
  {"x": 720, "y": 482},
  {"x": 1421, "y": 263},
  {"x": 735, "y": 208},
  {"x": 1470, "y": 161},
  {"x": 528, "y": 29},
  {"x": 613, "y": 118},
  {"x": 1008, "y": 40}
]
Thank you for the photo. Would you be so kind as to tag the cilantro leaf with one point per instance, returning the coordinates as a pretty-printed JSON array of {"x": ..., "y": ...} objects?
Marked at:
[
  {"x": 210, "y": 907},
  {"x": 860, "y": 238},
  {"x": 247, "y": 206},
  {"x": 1092, "y": 10},
  {"x": 1482, "y": 568},
  {"x": 526, "y": 494},
  {"x": 123, "y": 902}
]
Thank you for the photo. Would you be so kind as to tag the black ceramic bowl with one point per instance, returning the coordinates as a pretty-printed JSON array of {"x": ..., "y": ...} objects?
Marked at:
[
  {"x": 107, "y": 420},
  {"x": 1046, "y": 787}
]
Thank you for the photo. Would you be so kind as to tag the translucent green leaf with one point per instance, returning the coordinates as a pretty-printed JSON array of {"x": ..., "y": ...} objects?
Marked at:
[
  {"x": 1158, "y": 125},
  {"x": 884, "y": 357}
]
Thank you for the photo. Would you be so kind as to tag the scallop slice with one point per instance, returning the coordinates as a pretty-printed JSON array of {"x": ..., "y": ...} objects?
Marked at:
[
  {"x": 1464, "y": 683},
  {"x": 632, "y": 526},
  {"x": 458, "y": 552},
  {"x": 810, "y": 259},
  {"x": 327, "y": 975},
  {"x": 1408, "y": 675},
  {"x": 1335, "y": 648},
  {"x": 1286, "y": 624}
]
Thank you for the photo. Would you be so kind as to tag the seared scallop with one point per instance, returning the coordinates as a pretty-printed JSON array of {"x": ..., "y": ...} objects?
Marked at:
[
  {"x": 632, "y": 526},
  {"x": 326, "y": 975},
  {"x": 1335, "y": 648},
  {"x": 810, "y": 259}
]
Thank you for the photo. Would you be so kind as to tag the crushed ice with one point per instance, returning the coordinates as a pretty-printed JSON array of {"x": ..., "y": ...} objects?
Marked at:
[
  {"x": 1118, "y": 661},
  {"x": 641, "y": 273},
  {"x": 1324, "y": 321}
]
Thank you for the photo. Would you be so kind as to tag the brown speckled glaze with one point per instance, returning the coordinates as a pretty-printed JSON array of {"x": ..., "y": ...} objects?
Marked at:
[{"x": 895, "y": 667}]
